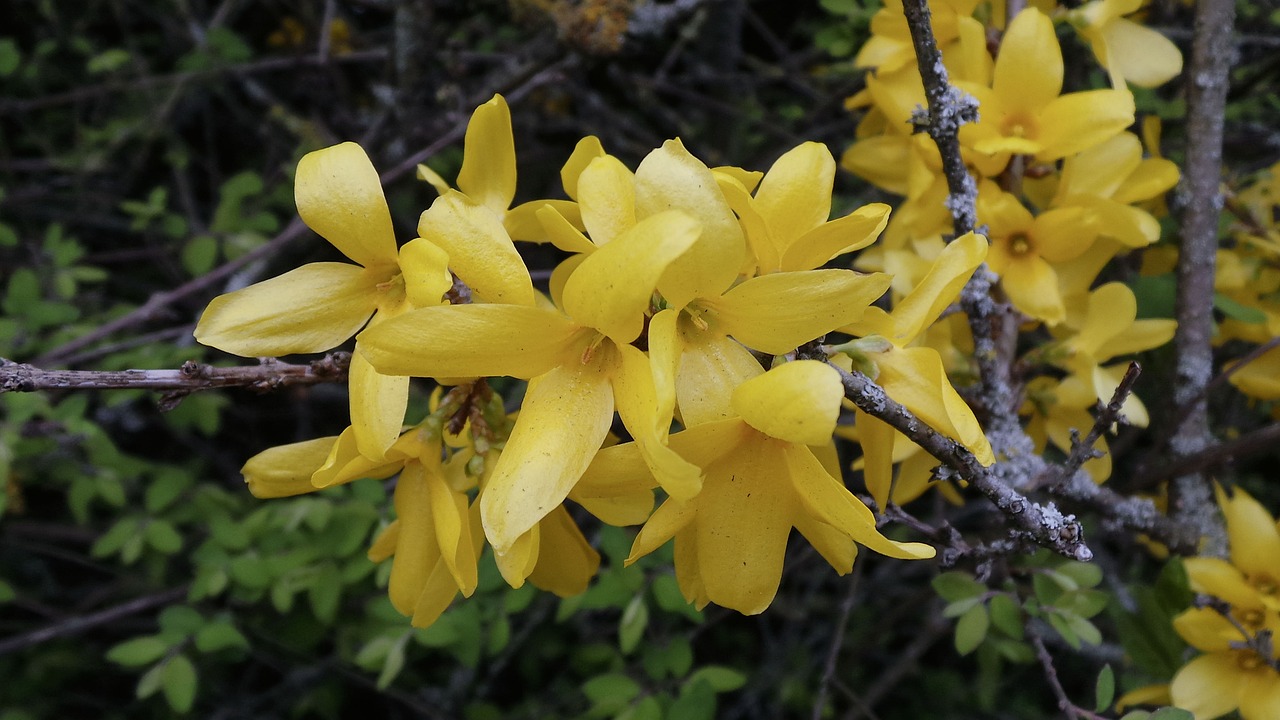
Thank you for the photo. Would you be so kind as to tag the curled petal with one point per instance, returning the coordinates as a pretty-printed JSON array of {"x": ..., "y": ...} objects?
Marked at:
[
  {"x": 285, "y": 470},
  {"x": 916, "y": 378},
  {"x": 843, "y": 235},
  {"x": 425, "y": 267},
  {"x": 311, "y": 309},
  {"x": 587, "y": 149},
  {"x": 648, "y": 418},
  {"x": 566, "y": 561},
  {"x": 1254, "y": 538},
  {"x": 488, "y": 173},
  {"x": 670, "y": 518},
  {"x": 378, "y": 404},
  {"x": 940, "y": 287},
  {"x": 711, "y": 366},
  {"x": 344, "y": 463},
  {"x": 340, "y": 196},
  {"x": 480, "y": 251},
  {"x": 798, "y": 402},
  {"x": 453, "y": 531}
]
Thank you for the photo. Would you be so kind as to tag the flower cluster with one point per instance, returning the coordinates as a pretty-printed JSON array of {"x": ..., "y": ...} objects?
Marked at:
[
  {"x": 1062, "y": 188},
  {"x": 681, "y": 300}
]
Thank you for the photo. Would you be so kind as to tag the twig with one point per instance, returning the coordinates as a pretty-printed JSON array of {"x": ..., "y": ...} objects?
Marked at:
[
  {"x": 1082, "y": 450},
  {"x": 837, "y": 642},
  {"x": 191, "y": 377},
  {"x": 905, "y": 661},
  {"x": 1070, "y": 709},
  {"x": 1211, "y": 57},
  {"x": 77, "y": 625},
  {"x": 1045, "y": 524},
  {"x": 1255, "y": 441}
]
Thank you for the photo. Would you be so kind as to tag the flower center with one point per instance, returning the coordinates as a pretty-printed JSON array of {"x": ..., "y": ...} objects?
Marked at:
[
  {"x": 1019, "y": 244},
  {"x": 1019, "y": 126},
  {"x": 1265, "y": 584},
  {"x": 1252, "y": 619},
  {"x": 1249, "y": 660}
]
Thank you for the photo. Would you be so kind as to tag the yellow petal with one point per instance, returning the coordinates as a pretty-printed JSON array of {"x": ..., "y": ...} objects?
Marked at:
[
  {"x": 777, "y": 313},
  {"x": 607, "y": 199},
  {"x": 433, "y": 178},
  {"x": 1078, "y": 121},
  {"x": 416, "y": 551},
  {"x": 1063, "y": 234},
  {"x": 561, "y": 233},
  {"x": 566, "y": 561},
  {"x": 835, "y": 546},
  {"x": 1143, "y": 56},
  {"x": 1260, "y": 378},
  {"x": 311, "y": 309},
  {"x": 665, "y": 348},
  {"x": 470, "y": 341},
  {"x": 915, "y": 377},
  {"x": 1251, "y": 531},
  {"x": 1208, "y": 686},
  {"x": 753, "y": 224},
  {"x": 797, "y": 401},
  {"x": 517, "y": 562},
  {"x": 480, "y": 251},
  {"x": 611, "y": 290},
  {"x": 384, "y": 546},
  {"x": 1112, "y": 309},
  {"x": 521, "y": 222},
  {"x": 707, "y": 443},
  {"x": 877, "y": 440},
  {"x": 826, "y": 499},
  {"x": 795, "y": 195},
  {"x": 1221, "y": 579},
  {"x": 1260, "y": 695},
  {"x": 452, "y": 523},
  {"x": 670, "y": 517},
  {"x": 688, "y": 573},
  {"x": 285, "y": 470},
  {"x": 378, "y": 404},
  {"x": 488, "y": 173},
  {"x": 437, "y": 593},
  {"x": 744, "y": 518},
  {"x": 563, "y": 421},
  {"x": 1102, "y": 169},
  {"x": 344, "y": 463},
  {"x": 939, "y": 288},
  {"x": 1145, "y": 695},
  {"x": 881, "y": 161},
  {"x": 1032, "y": 286},
  {"x": 425, "y": 267},
  {"x": 843, "y": 235},
  {"x": 711, "y": 366},
  {"x": 587, "y": 149},
  {"x": 1154, "y": 176},
  {"x": 615, "y": 471},
  {"x": 1028, "y": 70},
  {"x": 670, "y": 178},
  {"x": 1141, "y": 335},
  {"x": 648, "y": 418},
  {"x": 340, "y": 196}
]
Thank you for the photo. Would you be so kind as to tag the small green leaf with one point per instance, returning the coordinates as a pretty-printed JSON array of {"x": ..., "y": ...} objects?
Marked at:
[
  {"x": 612, "y": 691},
  {"x": 393, "y": 663},
  {"x": 325, "y": 592},
  {"x": 200, "y": 254},
  {"x": 1085, "y": 575},
  {"x": 960, "y": 607},
  {"x": 139, "y": 651},
  {"x": 720, "y": 679},
  {"x": 105, "y": 62},
  {"x": 149, "y": 683},
  {"x": 163, "y": 537},
  {"x": 7, "y": 593},
  {"x": 1238, "y": 311},
  {"x": 179, "y": 683},
  {"x": 634, "y": 621},
  {"x": 219, "y": 636},
  {"x": 1064, "y": 629},
  {"x": 1104, "y": 691},
  {"x": 1006, "y": 616},
  {"x": 679, "y": 655},
  {"x": 10, "y": 57},
  {"x": 8, "y": 238},
  {"x": 971, "y": 629},
  {"x": 1172, "y": 713},
  {"x": 697, "y": 701},
  {"x": 647, "y": 709},
  {"x": 957, "y": 585}
]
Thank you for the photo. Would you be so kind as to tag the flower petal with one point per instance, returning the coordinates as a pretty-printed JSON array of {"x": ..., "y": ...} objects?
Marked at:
[
  {"x": 827, "y": 500},
  {"x": 777, "y": 313},
  {"x": 1252, "y": 534},
  {"x": 797, "y": 401},
  {"x": 1260, "y": 695},
  {"x": 344, "y": 463},
  {"x": 711, "y": 366},
  {"x": 311, "y": 309},
  {"x": 611, "y": 290},
  {"x": 1221, "y": 579},
  {"x": 563, "y": 421},
  {"x": 648, "y": 418},
  {"x": 452, "y": 524},
  {"x": 1208, "y": 686},
  {"x": 437, "y": 594},
  {"x": 1112, "y": 309},
  {"x": 916, "y": 378},
  {"x": 843, "y": 235},
  {"x": 480, "y": 251},
  {"x": 939, "y": 288},
  {"x": 1078, "y": 121},
  {"x": 425, "y": 267},
  {"x": 566, "y": 561},
  {"x": 670, "y": 517},
  {"x": 795, "y": 195},
  {"x": 521, "y": 222},
  {"x": 587, "y": 149},
  {"x": 561, "y": 233},
  {"x": 340, "y": 196},
  {"x": 378, "y": 405},
  {"x": 416, "y": 551},
  {"x": 285, "y": 470},
  {"x": 607, "y": 199},
  {"x": 470, "y": 341},
  {"x": 1028, "y": 70},
  {"x": 1143, "y": 56},
  {"x": 1032, "y": 286},
  {"x": 670, "y": 178},
  {"x": 834, "y": 545},
  {"x": 488, "y": 173},
  {"x": 877, "y": 440}
]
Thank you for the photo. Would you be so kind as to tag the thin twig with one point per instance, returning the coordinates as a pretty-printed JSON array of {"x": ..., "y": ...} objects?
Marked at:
[
  {"x": 77, "y": 625},
  {"x": 837, "y": 642},
  {"x": 1255, "y": 441},
  {"x": 1070, "y": 709},
  {"x": 1108, "y": 415},
  {"x": 191, "y": 377}
]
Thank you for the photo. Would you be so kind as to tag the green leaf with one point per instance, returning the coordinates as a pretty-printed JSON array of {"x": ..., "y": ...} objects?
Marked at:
[
  {"x": 325, "y": 592},
  {"x": 647, "y": 709},
  {"x": 200, "y": 254},
  {"x": 393, "y": 663},
  {"x": 1085, "y": 603},
  {"x": 1064, "y": 629},
  {"x": 163, "y": 537},
  {"x": 1104, "y": 690},
  {"x": 179, "y": 683},
  {"x": 679, "y": 655},
  {"x": 8, "y": 238},
  {"x": 23, "y": 292},
  {"x": 181, "y": 620},
  {"x": 666, "y": 591},
  {"x": 499, "y": 635},
  {"x": 219, "y": 635},
  {"x": 960, "y": 607},
  {"x": 631, "y": 628},
  {"x": 1085, "y": 630},
  {"x": 1006, "y": 615},
  {"x": 165, "y": 487},
  {"x": 114, "y": 539},
  {"x": 10, "y": 57},
  {"x": 1155, "y": 295},
  {"x": 107, "y": 61},
  {"x": 971, "y": 629},
  {"x": 1237, "y": 311},
  {"x": 1172, "y": 713},
  {"x": 697, "y": 701},
  {"x": 7, "y": 593},
  {"x": 956, "y": 585},
  {"x": 610, "y": 693},
  {"x": 720, "y": 679},
  {"x": 149, "y": 683},
  {"x": 139, "y": 651}
]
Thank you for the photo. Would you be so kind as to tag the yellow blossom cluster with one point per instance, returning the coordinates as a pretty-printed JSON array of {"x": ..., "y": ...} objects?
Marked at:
[
  {"x": 681, "y": 300},
  {"x": 1063, "y": 187}
]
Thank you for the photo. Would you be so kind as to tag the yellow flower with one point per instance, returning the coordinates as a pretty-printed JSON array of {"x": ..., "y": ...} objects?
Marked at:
[
  {"x": 318, "y": 306},
  {"x": 1109, "y": 179},
  {"x": 1130, "y": 51},
  {"x": 1233, "y": 673},
  {"x": 762, "y": 479},
  {"x": 915, "y": 376},
  {"x": 1023, "y": 112},
  {"x": 1023, "y": 248}
]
